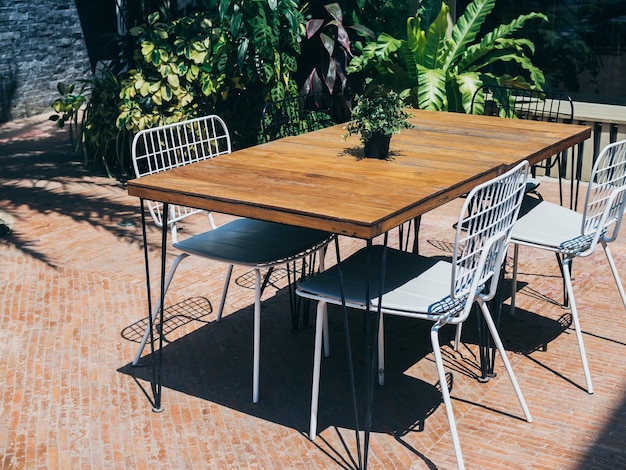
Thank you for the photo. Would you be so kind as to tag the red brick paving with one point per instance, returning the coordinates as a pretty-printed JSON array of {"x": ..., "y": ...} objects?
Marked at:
[{"x": 72, "y": 299}]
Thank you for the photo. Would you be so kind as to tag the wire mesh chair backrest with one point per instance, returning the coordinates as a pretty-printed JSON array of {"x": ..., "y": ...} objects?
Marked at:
[
  {"x": 174, "y": 145},
  {"x": 521, "y": 103},
  {"x": 606, "y": 196},
  {"x": 484, "y": 230},
  {"x": 295, "y": 115},
  {"x": 536, "y": 105}
]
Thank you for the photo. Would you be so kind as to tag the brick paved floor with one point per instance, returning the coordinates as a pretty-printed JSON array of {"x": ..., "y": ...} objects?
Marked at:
[{"x": 72, "y": 299}]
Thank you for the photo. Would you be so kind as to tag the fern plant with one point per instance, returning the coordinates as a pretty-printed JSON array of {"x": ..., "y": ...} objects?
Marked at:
[{"x": 434, "y": 70}]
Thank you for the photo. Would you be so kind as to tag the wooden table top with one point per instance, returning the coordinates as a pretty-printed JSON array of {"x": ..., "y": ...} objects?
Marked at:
[{"x": 318, "y": 180}]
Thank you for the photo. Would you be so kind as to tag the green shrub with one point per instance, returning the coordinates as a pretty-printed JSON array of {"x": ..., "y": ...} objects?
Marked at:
[
  {"x": 174, "y": 77},
  {"x": 433, "y": 69},
  {"x": 91, "y": 116}
]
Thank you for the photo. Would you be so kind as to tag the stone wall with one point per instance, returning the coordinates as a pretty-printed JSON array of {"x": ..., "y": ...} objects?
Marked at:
[{"x": 41, "y": 43}]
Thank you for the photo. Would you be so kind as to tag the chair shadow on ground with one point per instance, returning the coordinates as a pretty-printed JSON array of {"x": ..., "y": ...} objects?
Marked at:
[
  {"x": 530, "y": 334},
  {"x": 214, "y": 363}
]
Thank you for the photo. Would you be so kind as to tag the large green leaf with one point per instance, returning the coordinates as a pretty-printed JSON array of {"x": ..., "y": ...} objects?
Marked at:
[
  {"x": 474, "y": 57},
  {"x": 376, "y": 52},
  {"x": 235, "y": 24},
  {"x": 489, "y": 41},
  {"x": 431, "y": 89},
  {"x": 435, "y": 39},
  {"x": 506, "y": 30},
  {"x": 414, "y": 34},
  {"x": 384, "y": 46},
  {"x": 466, "y": 29},
  {"x": 506, "y": 55},
  {"x": 467, "y": 84},
  {"x": 407, "y": 58},
  {"x": 536, "y": 74}
]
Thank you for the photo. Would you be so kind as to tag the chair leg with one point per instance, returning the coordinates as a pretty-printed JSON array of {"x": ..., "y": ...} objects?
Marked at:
[
  {"x": 560, "y": 259},
  {"x": 611, "y": 261},
  {"x": 326, "y": 334},
  {"x": 579, "y": 335},
  {"x": 266, "y": 278},
  {"x": 559, "y": 164},
  {"x": 381, "y": 351},
  {"x": 514, "y": 278},
  {"x": 257, "y": 336},
  {"x": 457, "y": 336},
  {"x": 496, "y": 339},
  {"x": 229, "y": 273},
  {"x": 156, "y": 309},
  {"x": 317, "y": 363},
  {"x": 445, "y": 393}
]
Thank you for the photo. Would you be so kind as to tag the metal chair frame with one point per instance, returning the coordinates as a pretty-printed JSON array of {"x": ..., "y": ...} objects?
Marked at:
[
  {"x": 420, "y": 287},
  {"x": 258, "y": 244},
  {"x": 538, "y": 105},
  {"x": 550, "y": 227}
]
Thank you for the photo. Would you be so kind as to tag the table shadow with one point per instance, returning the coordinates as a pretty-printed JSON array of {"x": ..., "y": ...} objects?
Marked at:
[{"x": 214, "y": 363}]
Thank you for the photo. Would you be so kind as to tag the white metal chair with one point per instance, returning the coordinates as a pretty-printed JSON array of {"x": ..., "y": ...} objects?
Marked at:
[
  {"x": 535, "y": 105},
  {"x": 248, "y": 242},
  {"x": 570, "y": 234},
  {"x": 426, "y": 288}
]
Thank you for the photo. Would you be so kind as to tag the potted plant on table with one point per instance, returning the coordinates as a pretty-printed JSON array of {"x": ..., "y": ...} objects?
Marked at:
[{"x": 376, "y": 118}]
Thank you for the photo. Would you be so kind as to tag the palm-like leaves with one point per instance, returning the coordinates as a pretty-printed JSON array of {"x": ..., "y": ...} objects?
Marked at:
[{"x": 434, "y": 70}]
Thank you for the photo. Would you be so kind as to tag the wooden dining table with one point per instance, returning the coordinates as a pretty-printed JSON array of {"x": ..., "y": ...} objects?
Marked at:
[{"x": 321, "y": 180}]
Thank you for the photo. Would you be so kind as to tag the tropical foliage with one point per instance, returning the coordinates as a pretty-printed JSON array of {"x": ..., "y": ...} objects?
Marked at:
[
  {"x": 231, "y": 57},
  {"x": 103, "y": 143},
  {"x": 243, "y": 54},
  {"x": 91, "y": 114},
  {"x": 569, "y": 43},
  {"x": 261, "y": 44},
  {"x": 435, "y": 70},
  {"x": 327, "y": 51},
  {"x": 171, "y": 78}
]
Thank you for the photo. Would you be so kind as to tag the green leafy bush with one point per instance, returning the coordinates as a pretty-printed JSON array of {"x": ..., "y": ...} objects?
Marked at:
[
  {"x": 435, "y": 70},
  {"x": 261, "y": 41},
  {"x": 92, "y": 116},
  {"x": 174, "y": 77},
  {"x": 229, "y": 61}
]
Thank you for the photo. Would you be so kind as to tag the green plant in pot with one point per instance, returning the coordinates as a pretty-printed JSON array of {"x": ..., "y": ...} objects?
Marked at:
[{"x": 376, "y": 118}]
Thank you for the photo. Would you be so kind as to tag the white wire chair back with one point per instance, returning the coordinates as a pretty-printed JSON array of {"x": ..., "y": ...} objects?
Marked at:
[
  {"x": 483, "y": 233},
  {"x": 605, "y": 201},
  {"x": 174, "y": 145}
]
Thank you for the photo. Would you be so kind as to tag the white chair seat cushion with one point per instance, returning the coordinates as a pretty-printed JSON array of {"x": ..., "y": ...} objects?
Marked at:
[
  {"x": 414, "y": 284},
  {"x": 546, "y": 224},
  {"x": 253, "y": 242}
]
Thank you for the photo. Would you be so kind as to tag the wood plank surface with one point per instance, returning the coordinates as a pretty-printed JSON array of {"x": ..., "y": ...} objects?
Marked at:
[{"x": 319, "y": 180}]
